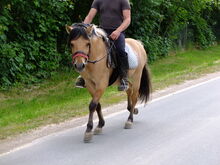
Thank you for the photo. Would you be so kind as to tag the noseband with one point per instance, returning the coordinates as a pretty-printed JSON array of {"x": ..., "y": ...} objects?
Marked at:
[
  {"x": 80, "y": 54},
  {"x": 86, "y": 56}
]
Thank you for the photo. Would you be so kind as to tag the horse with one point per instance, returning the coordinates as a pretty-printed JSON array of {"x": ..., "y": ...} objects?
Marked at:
[{"x": 89, "y": 57}]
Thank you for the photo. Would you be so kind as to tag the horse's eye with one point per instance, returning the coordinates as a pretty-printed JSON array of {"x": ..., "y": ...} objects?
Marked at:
[
  {"x": 71, "y": 45},
  {"x": 88, "y": 44}
]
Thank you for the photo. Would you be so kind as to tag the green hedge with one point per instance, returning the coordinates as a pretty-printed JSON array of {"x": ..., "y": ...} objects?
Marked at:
[
  {"x": 33, "y": 37},
  {"x": 159, "y": 24}
]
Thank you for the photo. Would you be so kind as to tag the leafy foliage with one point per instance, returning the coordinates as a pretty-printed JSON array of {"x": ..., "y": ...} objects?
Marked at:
[
  {"x": 162, "y": 25},
  {"x": 30, "y": 35},
  {"x": 33, "y": 38}
]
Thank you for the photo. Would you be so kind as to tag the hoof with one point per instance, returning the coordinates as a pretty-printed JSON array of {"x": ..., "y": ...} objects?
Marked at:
[
  {"x": 97, "y": 131},
  {"x": 128, "y": 125},
  {"x": 135, "y": 111},
  {"x": 88, "y": 137}
]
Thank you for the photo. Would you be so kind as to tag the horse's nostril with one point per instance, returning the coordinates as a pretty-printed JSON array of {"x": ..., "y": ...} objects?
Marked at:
[{"x": 79, "y": 67}]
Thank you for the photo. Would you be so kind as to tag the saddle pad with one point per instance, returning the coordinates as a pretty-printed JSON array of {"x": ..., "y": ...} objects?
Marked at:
[{"x": 132, "y": 57}]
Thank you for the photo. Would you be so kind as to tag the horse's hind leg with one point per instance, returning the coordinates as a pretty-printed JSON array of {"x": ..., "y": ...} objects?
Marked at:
[
  {"x": 129, "y": 98},
  {"x": 134, "y": 97},
  {"x": 129, "y": 93},
  {"x": 98, "y": 129}
]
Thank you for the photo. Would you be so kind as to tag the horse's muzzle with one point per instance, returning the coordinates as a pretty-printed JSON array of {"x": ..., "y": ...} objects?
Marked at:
[{"x": 79, "y": 67}]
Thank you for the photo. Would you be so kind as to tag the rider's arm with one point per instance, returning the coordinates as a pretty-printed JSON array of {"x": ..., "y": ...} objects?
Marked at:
[
  {"x": 90, "y": 16},
  {"x": 126, "y": 21}
]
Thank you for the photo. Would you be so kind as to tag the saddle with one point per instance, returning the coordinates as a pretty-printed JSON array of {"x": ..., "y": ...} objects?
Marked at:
[{"x": 112, "y": 60}]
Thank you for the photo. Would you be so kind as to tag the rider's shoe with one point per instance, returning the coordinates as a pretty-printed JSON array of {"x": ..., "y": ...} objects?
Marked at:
[
  {"x": 80, "y": 82},
  {"x": 124, "y": 85}
]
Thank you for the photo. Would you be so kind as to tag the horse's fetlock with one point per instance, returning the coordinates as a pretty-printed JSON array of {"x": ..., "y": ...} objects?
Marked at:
[
  {"x": 129, "y": 108},
  {"x": 130, "y": 118},
  {"x": 89, "y": 127},
  {"x": 101, "y": 123}
]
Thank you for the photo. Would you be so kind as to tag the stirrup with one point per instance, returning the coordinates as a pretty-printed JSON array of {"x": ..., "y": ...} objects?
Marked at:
[
  {"x": 80, "y": 83},
  {"x": 124, "y": 85}
]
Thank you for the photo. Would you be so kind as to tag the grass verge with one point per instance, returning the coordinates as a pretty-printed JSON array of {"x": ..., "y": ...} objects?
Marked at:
[{"x": 56, "y": 100}]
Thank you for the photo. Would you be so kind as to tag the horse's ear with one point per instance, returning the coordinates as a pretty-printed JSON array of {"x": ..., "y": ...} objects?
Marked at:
[
  {"x": 69, "y": 29},
  {"x": 89, "y": 30}
]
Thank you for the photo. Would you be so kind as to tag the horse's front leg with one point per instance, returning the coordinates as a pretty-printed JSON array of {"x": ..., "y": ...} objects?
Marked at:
[
  {"x": 94, "y": 104},
  {"x": 129, "y": 98},
  {"x": 88, "y": 133},
  {"x": 98, "y": 129}
]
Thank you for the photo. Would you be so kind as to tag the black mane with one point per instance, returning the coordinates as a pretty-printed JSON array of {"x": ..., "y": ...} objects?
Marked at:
[{"x": 77, "y": 32}]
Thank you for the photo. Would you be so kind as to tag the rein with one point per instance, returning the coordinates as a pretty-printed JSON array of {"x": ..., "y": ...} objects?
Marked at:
[
  {"x": 108, "y": 53},
  {"x": 95, "y": 61}
]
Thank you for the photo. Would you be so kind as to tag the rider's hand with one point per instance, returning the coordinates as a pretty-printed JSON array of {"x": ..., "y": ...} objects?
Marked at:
[{"x": 115, "y": 34}]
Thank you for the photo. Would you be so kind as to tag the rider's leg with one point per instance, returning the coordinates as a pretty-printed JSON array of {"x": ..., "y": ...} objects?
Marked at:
[{"x": 123, "y": 63}]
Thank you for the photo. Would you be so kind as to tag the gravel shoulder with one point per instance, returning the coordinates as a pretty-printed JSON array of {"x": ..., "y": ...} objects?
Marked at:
[{"x": 16, "y": 142}]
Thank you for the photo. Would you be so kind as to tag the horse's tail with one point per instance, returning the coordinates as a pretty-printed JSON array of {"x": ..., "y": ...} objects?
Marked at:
[{"x": 145, "y": 86}]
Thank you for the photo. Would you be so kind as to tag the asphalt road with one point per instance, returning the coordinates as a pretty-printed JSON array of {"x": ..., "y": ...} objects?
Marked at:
[{"x": 181, "y": 129}]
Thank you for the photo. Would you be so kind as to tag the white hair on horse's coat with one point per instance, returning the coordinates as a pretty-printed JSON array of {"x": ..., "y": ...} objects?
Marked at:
[
  {"x": 142, "y": 44},
  {"x": 99, "y": 32}
]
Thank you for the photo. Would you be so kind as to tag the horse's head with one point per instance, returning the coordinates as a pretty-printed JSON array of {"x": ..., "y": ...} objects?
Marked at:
[
  {"x": 79, "y": 42},
  {"x": 87, "y": 43}
]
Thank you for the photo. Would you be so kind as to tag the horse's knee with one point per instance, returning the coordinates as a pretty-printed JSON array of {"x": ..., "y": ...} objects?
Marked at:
[{"x": 92, "y": 106}]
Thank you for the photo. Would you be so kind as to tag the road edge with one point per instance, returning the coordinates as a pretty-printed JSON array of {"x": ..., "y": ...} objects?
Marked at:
[{"x": 14, "y": 143}]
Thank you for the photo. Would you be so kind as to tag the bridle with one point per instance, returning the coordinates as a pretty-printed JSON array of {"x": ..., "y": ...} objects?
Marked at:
[{"x": 86, "y": 56}]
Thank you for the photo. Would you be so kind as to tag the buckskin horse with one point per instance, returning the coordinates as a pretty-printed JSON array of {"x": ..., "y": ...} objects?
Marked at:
[{"x": 89, "y": 49}]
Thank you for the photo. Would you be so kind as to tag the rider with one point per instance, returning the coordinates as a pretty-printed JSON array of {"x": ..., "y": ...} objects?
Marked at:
[{"x": 115, "y": 17}]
